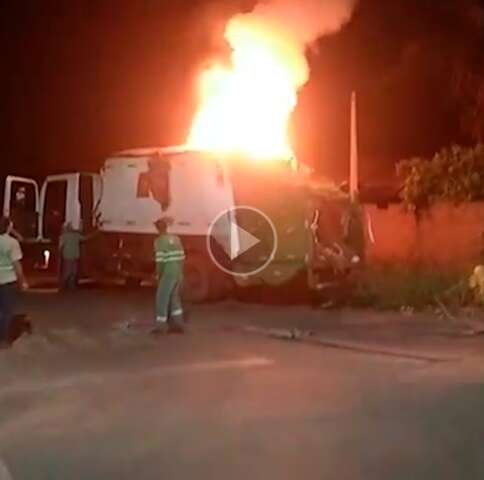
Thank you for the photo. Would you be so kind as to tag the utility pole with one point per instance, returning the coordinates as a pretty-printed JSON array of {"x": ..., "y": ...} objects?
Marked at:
[{"x": 354, "y": 175}]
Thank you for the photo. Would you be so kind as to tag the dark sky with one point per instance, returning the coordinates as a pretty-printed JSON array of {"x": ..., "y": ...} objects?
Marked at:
[{"x": 84, "y": 78}]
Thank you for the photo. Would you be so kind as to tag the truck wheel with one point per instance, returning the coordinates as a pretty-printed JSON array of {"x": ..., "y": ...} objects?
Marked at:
[
  {"x": 196, "y": 283},
  {"x": 221, "y": 285}
]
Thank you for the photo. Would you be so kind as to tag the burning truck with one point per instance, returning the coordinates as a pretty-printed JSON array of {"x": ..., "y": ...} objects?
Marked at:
[
  {"x": 237, "y": 152},
  {"x": 136, "y": 187}
]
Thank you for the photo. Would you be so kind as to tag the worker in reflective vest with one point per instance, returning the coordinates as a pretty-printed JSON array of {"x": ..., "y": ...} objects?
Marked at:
[
  {"x": 169, "y": 257},
  {"x": 11, "y": 276}
]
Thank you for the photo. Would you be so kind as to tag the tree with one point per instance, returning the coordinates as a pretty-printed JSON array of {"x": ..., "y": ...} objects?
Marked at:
[{"x": 454, "y": 174}]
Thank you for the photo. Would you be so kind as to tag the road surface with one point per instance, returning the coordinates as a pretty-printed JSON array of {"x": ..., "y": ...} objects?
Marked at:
[{"x": 82, "y": 399}]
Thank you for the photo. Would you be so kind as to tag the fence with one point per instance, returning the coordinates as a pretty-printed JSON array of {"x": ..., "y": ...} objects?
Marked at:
[{"x": 445, "y": 237}]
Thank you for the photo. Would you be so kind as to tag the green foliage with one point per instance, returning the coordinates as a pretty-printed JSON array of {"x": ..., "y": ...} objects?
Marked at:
[
  {"x": 394, "y": 288},
  {"x": 454, "y": 174}
]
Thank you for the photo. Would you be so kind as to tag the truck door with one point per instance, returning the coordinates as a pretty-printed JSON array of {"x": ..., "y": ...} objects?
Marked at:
[
  {"x": 21, "y": 204},
  {"x": 53, "y": 207},
  {"x": 68, "y": 198}
]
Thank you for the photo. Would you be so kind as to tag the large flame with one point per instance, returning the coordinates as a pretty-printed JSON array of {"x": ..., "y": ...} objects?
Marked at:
[{"x": 246, "y": 107}]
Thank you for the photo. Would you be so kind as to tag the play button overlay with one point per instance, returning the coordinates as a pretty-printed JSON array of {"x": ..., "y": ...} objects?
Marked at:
[
  {"x": 242, "y": 241},
  {"x": 237, "y": 242}
]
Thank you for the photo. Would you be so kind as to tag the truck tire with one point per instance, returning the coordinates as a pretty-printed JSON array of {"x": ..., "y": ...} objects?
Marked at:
[
  {"x": 197, "y": 278},
  {"x": 221, "y": 285}
]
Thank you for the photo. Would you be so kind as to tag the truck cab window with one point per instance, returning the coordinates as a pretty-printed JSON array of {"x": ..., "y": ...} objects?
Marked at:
[
  {"x": 23, "y": 209},
  {"x": 143, "y": 190},
  {"x": 159, "y": 180}
]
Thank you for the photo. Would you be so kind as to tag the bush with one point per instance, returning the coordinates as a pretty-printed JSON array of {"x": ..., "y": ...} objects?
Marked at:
[
  {"x": 454, "y": 174},
  {"x": 392, "y": 288}
]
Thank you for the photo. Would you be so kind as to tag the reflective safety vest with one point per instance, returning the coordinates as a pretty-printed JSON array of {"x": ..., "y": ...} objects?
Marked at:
[
  {"x": 169, "y": 254},
  {"x": 9, "y": 252}
]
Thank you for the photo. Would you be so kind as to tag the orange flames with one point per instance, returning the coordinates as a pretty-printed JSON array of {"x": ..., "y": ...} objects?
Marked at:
[{"x": 246, "y": 108}]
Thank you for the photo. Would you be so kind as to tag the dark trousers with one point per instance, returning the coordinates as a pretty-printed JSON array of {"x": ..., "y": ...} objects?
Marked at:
[
  {"x": 69, "y": 274},
  {"x": 8, "y": 294}
]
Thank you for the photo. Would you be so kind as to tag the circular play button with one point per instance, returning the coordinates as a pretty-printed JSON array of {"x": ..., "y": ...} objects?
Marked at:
[{"x": 242, "y": 241}]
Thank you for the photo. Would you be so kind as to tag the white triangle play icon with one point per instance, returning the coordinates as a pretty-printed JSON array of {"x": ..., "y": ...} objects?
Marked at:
[
  {"x": 246, "y": 242},
  {"x": 234, "y": 240},
  {"x": 227, "y": 241}
]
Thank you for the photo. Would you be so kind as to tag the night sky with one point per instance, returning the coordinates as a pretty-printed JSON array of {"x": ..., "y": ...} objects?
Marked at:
[{"x": 85, "y": 78}]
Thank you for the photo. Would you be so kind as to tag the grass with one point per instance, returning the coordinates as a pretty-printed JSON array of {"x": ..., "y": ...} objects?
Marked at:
[{"x": 392, "y": 288}]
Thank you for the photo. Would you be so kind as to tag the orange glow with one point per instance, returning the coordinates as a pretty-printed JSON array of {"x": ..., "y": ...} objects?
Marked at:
[{"x": 245, "y": 108}]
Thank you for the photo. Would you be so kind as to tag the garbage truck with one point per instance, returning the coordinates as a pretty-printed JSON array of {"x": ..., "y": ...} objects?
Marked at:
[{"x": 136, "y": 187}]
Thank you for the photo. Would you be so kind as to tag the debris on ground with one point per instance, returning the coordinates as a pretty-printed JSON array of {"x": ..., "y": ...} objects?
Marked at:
[
  {"x": 467, "y": 326},
  {"x": 294, "y": 334},
  {"x": 445, "y": 311},
  {"x": 281, "y": 333},
  {"x": 33, "y": 344},
  {"x": 407, "y": 310},
  {"x": 132, "y": 326}
]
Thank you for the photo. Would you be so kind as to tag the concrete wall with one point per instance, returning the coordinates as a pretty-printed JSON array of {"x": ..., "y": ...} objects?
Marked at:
[{"x": 446, "y": 237}]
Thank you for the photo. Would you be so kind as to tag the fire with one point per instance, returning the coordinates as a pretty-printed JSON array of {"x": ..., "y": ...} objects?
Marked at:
[{"x": 246, "y": 108}]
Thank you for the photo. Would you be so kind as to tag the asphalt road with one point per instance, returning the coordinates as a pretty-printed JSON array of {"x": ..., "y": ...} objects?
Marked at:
[{"x": 82, "y": 399}]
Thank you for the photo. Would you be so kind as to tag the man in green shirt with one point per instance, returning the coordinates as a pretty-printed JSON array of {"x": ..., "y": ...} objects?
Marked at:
[
  {"x": 169, "y": 257},
  {"x": 70, "y": 253}
]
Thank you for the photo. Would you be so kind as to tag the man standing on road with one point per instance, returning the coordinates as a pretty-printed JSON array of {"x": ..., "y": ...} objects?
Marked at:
[
  {"x": 11, "y": 274},
  {"x": 169, "y": 257},
  {"x": 70, "y": 253}
]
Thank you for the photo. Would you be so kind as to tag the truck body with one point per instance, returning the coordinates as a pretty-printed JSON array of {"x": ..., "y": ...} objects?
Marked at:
[{"x": 137, "y": 187}]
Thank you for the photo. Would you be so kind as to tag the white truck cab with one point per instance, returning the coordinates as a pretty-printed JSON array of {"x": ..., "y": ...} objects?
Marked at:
[{"x": 39, "y": 212}]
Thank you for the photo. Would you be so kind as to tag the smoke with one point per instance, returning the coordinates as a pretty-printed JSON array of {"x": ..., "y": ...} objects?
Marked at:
[
  {"x": 286, "y": 28},
  {"x": 306, "y": 20},
  {"x": 247, "y": 106}
]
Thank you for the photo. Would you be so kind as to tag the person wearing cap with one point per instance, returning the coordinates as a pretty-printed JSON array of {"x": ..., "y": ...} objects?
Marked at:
[
  {"x": 169, "y": 257},
  {"x": 11, "y": 275}
]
